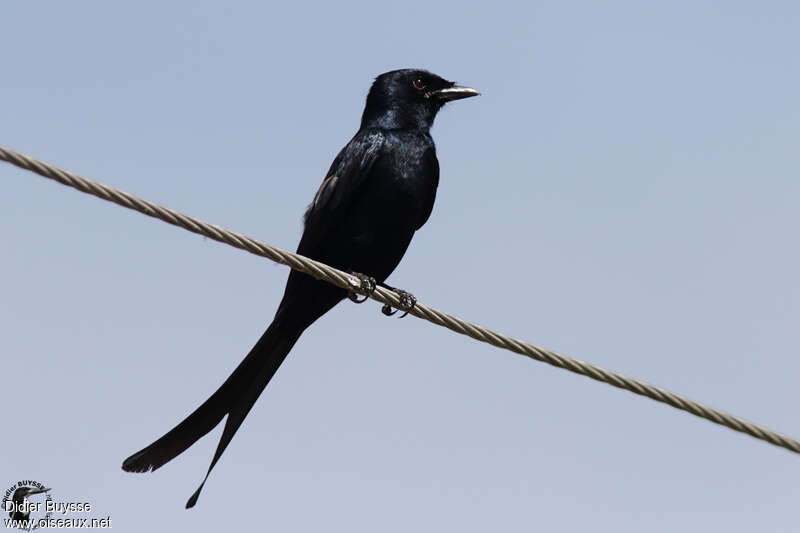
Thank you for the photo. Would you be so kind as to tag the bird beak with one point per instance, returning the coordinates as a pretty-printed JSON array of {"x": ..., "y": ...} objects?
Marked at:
[
  {"x": 455, "y": 92},
  {"x": 37, "y": 491}
]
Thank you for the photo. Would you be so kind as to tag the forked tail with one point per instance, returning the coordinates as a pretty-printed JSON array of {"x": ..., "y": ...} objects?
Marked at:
[{"x": 234, "y": 398}]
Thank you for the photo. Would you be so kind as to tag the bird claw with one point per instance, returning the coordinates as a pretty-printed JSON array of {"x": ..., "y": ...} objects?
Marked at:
[
  {"x": 407, "y": 303},
  {"x": 366, "y": 286}
]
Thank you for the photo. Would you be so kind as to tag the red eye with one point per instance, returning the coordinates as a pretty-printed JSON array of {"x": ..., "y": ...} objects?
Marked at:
[{"x": 419, "y": 84}]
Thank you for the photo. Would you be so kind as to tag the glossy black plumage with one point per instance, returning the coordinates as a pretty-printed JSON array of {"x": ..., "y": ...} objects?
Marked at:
[{"x": 379, "y": 190}]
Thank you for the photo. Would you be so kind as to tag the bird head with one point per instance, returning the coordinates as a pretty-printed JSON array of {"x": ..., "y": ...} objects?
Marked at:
[
  {"x": 20, "y": 497},
  {"x": 409, "y": 98},
  {"x": 22, "y": 492}
]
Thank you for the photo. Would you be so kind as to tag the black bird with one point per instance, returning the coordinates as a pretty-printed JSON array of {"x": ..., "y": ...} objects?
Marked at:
[
  {"x": 21, "y": 508},
  {"x": 379, "y": 190}
]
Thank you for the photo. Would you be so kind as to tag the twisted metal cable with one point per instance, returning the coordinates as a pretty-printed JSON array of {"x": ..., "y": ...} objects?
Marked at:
[{"x": 351, "y": 283}]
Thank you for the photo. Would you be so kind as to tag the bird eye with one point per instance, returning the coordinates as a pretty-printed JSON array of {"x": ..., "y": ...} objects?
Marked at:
[{"x": 419, "y": 84}]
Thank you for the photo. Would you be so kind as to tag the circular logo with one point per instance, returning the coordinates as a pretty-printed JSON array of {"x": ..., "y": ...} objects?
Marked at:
[{"x": 26, "y": 503}]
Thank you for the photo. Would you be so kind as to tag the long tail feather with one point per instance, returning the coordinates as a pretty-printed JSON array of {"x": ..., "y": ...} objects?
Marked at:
[{"x": 235, "y": 397}]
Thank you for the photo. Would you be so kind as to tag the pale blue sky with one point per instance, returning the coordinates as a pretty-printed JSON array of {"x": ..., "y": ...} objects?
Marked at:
[{"x": 624, "y": 191}]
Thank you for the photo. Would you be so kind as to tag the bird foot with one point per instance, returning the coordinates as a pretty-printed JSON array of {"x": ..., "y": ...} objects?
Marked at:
[
  {"x": 407, "y": 303},
  {"x": 366, "y": 287}
]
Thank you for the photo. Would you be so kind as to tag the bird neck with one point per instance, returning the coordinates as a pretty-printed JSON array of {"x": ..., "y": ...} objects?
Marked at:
[{"x": 396, "y": 118}]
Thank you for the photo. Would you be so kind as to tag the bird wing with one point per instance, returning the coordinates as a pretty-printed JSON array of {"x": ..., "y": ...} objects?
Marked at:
[{"x": 340, "y": 187}]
